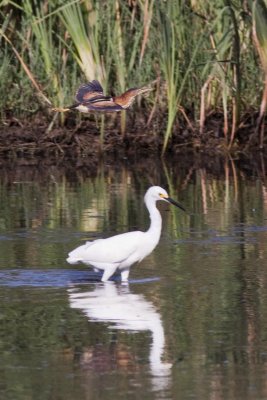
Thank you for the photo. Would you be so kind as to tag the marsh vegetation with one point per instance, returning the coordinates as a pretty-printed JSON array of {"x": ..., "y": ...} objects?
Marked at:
[{"x": 207, "y": 63}]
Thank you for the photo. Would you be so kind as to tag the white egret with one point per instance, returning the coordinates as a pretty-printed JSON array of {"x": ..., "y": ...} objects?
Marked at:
[{"x": 120, "y": 252}]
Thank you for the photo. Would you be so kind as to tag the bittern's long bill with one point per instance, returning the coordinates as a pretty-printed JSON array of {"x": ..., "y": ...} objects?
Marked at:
[{"x": 90, "y": 97}]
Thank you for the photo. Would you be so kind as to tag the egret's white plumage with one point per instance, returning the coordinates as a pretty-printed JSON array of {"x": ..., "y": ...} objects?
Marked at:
[{"x": 120, "y": 252}]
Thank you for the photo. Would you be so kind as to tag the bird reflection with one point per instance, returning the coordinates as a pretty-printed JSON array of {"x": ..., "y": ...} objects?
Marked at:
[
  {"x": 90, "y": 97},
  {"x": 121, "y": 309}
]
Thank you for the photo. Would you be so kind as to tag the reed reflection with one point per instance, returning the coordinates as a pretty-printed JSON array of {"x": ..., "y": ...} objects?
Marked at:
[{"x": 121, "y": 309}]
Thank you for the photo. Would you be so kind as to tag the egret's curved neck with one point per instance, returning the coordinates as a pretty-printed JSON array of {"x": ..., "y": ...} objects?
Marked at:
[{"x": 156, "y": 220}]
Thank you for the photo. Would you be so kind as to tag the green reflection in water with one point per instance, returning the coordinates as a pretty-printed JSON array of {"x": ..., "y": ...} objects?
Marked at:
[{"x": 210, "y": 301}]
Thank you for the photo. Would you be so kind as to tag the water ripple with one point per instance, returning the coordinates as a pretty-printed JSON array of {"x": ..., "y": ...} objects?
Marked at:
[{"x": 55, "y": 278}]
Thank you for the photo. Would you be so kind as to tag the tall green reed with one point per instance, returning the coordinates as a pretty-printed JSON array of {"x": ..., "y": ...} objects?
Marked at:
[
  {"x": 5, "y": 65},
  {"x": 98, "y": 33},
  {"x": 221, "y": 72},
  {"x": 125, "y": 58},
  {"x": 33, "y": 44},
  {"x": 81, "y": 21},
  {"x": 259, "y": 15},
  {"x": 175, "y": 67}
]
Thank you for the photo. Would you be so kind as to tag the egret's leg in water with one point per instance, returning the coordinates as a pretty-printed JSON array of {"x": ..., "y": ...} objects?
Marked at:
[
  {"x": 125, "y": 275},
  {"x": 108, "y": 273}
]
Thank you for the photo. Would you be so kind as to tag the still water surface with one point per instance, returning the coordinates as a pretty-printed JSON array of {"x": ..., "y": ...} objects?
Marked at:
[{"x": 191, "y": 323}]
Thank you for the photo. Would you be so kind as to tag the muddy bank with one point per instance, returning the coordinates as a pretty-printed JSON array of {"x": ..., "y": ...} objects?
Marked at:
[{"x": 37, "y": 138}]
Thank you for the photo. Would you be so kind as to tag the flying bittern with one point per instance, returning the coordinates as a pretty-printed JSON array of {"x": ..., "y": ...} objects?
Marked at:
[{"x": 90, "y": 97}]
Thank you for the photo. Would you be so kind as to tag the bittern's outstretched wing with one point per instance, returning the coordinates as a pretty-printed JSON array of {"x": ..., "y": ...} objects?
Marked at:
[
  {"x": 102, "y": 105},
  {"x": 90, "y": 90}
]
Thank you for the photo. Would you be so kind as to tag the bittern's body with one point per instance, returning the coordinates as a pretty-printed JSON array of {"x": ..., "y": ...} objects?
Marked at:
[{"x": 90, "y": 97}]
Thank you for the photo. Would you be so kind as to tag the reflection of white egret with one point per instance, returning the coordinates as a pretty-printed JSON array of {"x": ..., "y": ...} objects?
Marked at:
[
  {"x": 120, "y": 252},
  {"x": 124, "y": 310}
]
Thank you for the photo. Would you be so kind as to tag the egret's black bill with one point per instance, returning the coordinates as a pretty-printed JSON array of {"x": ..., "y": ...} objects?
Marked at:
[{"x": 175, "y": 203}]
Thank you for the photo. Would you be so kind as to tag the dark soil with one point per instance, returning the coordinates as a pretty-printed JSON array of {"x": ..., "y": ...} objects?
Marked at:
[{"x": 38, "y": 138}]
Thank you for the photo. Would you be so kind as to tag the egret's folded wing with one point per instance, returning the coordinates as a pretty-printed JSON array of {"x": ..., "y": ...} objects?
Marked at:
[
  {"x": 111, "y": 250},
  {"x": 88, "y": 91}
]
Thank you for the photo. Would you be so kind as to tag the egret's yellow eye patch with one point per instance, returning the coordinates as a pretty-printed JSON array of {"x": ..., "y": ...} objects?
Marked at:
[{"x": 163, "y": 196}]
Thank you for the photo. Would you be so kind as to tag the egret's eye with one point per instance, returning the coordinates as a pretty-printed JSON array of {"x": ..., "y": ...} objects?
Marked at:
[{"x": 162, "y": 195}]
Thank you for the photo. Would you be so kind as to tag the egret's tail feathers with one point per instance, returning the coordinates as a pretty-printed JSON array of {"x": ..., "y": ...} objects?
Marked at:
[{"x": 72, "y": 260}]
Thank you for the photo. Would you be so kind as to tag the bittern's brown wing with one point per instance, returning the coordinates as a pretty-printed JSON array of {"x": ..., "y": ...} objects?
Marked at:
[
  {"x": 104, "y": 105},
  {"x": 90, "y": 90}
]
